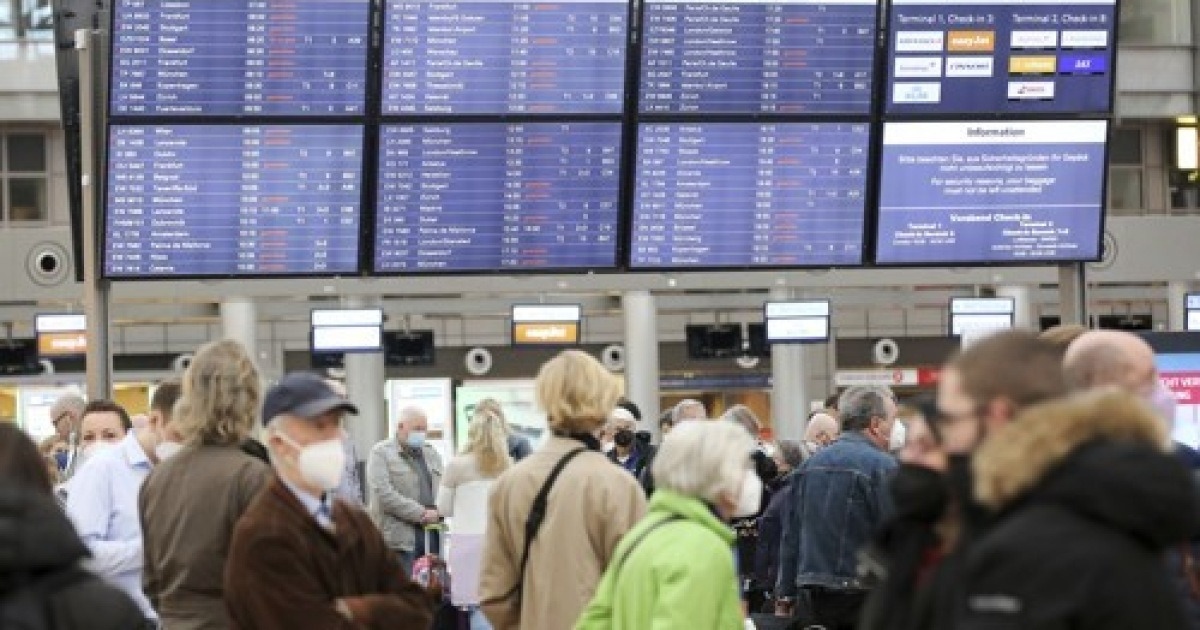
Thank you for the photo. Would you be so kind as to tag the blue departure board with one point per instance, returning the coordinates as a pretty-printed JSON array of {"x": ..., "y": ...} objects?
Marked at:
[
  {"x": 758, "y": 56},
  {"x": 1001, "y": 56},
  {"x": 492, "y": 196},
  {"x": 204, "y": 200},
  {"x": 504, "y": 57},
  {"x": 239, "y": 57},
  {"x": 749, "y": 195}
]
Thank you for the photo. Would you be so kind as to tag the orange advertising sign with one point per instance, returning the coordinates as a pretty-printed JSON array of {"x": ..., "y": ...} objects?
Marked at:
[
  {"x": 62, "y": 344},
  {"x": 546, "y": 333}
]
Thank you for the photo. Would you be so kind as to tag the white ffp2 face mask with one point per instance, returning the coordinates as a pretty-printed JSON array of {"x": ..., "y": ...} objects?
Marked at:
[
  {"x": 749, "y": 497},
  {"x": 167, "y": 450},
  {"x": 899, "y": 436},
  {"x": 321, "y": 464}
]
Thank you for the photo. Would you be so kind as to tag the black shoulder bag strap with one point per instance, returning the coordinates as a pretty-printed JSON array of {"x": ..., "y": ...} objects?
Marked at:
[{"x": 537, "y": 514}]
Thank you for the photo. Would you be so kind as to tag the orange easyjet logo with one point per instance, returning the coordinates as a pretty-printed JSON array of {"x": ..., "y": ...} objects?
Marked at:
[
  {"x": 971, "y": 41},
  {"x": 546, "y": 333},
  {"x": 62, "y": 343}
]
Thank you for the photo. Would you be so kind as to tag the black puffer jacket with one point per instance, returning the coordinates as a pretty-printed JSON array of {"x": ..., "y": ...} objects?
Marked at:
[
  {"x": 40, "y": 573},
  {"x": 1087, "y": 506}
]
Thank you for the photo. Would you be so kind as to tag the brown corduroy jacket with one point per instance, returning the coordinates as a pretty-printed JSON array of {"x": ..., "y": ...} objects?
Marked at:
[{"x": 287, "y": 572}]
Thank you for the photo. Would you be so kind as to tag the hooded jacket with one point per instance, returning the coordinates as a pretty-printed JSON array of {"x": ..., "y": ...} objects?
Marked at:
[
  {"x": 679, "y": 575},
  {"x": 1088, "y": 499},
  {"x": 38, "y": 545}
]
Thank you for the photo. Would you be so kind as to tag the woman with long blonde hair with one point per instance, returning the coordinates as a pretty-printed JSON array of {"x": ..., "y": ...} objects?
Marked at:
[
  {"x": 463, "y": 498},
  {"x": 190, "y": 502}
]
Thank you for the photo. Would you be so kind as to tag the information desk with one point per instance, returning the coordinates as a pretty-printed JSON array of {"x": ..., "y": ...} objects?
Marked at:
[
  {"x": 239, "y": 57},
  {"x": 991, "y": 192},
  {"x": 756, "y": 56},
  {"x": 1015, "y": 57},
  {"x": 490, "y": 196},
  {"x": 207, "y": 200},
  {"x": 501, "y": 57},
  {"x": 749, "y": 194}
]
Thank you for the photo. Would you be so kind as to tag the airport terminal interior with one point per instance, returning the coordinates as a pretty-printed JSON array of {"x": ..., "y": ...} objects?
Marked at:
[{"x": 739, "y": 202}]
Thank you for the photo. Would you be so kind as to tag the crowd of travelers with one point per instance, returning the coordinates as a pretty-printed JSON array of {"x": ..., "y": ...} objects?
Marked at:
[{"x": 1039, "y": 490}]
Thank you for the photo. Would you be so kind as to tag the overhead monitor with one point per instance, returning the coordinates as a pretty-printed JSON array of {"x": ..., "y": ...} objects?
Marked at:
[
  {"x": 745, "y": 195},
  {"x": 547, "y": 324},
  {"x": 239, "y": 58},
  {"x": 504, "y": 57},
  {"x": 1192, "y": 311},
  {"x": 61, "y": 335},
  {"x": 485, "y": 197},
  {"x": 1018, "y": 57},
  {"x": 714, "y": 341},
  {"x": 232, "y": 200},
  {"x": 975, "y": 316},
  {"x": 973, "y": 193},
  {"x": 757, "y": 56},
  {"x": 347, "y": 330},
  {"x": 408, "y": 348},
  {"x": 19, "y": 357},
  {"x": 805, "y": 321}
]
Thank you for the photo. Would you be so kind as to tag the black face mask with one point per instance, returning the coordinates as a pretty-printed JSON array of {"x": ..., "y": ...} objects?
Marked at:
[
  {"x": 623, "y": 438},
  {"x": 921, "y": 493}
]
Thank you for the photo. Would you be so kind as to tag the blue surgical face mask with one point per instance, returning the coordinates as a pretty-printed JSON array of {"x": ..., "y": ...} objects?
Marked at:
[{"x": 416, "y": 439}]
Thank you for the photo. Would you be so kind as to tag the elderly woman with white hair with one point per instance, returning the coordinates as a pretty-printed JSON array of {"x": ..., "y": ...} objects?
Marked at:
[{"x": 675, "y": 568}]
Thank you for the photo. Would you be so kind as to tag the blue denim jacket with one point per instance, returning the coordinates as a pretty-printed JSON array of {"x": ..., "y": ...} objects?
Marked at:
[{"x": 838, "y": 499}]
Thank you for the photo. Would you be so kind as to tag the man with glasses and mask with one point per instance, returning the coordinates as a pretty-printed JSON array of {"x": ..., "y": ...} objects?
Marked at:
[
  {"x": 980, "y": 391},
  {"x": 301, "y": 557}
]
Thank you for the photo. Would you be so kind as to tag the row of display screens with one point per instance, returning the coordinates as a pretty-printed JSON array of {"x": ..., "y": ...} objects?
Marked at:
[
  {"x": 194, "y": 58},
  {"x": 263, "y": 200}
]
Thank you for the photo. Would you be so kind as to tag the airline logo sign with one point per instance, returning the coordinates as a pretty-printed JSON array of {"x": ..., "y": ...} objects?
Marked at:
[
  {"x": 1085, "y": 39},
  {"x": 887, "y": 378},
  {"x": 1035, "y": 39},
  {"x": 972, "y": 41},
  {"x": 1030, "y": 90},
  {"x": 546, "y": 333},
  {"x": 918, "y": 67},
  {"x": 62, "y": 344},
  {"x": 970, "y": 66},
  {"x": 917, "y": 93},
  {"x": 1033, "y": 65},
  {"x": 920, "y": 41}
]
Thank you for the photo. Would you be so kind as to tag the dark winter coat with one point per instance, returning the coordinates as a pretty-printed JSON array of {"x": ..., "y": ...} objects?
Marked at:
[
  {"x": 38, "y": 545},
  {"x": 1087, "y": 505}
]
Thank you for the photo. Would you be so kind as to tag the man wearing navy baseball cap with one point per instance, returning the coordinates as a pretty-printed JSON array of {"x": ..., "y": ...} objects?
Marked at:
[{"x": 301, "y": 558}]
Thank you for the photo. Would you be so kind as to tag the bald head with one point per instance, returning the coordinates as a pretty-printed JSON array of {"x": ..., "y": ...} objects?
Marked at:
[
  {"x": 822, "y": 429},
  {"x": 1111, "y": 358}
]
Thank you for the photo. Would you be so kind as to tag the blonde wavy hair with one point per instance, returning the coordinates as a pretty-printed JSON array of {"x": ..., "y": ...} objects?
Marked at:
[
  {"x": 487, "y": 440},
  {"x": 221, "y": 395},
  {"x": 576, "y": 392}
]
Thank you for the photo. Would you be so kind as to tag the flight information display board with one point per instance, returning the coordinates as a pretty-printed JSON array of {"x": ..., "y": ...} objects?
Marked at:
[
  {"x": 989, "y": 56},
  {"x": 207, "y": 200},
  {"x": 991, "y": 192},
  {"x": 505, "y": 57},
  {"x": 239, "y": 57},
  {"x": 496, "y": 196},
  {"x": 758, "y": 56},
  {"x": 749, "y": 195}
]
